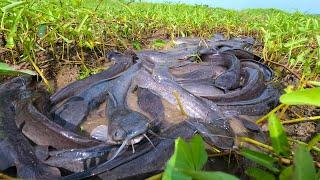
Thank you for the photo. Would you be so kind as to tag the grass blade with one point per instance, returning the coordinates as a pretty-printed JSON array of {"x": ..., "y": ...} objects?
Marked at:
[{"x": 5, "y": 69}]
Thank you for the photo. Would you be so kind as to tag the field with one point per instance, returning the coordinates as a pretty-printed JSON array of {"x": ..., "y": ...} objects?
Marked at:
[{"x": 46, "y": 36}]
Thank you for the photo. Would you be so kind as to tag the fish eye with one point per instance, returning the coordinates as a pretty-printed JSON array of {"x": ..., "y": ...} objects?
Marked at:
[{"x": 118, "y": 134}]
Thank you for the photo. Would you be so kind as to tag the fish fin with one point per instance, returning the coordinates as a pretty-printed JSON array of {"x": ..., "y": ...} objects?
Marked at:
[{"x": 100, "y": 133}]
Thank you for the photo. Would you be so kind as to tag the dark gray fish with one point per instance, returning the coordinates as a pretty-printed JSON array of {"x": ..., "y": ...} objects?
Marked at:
[
  {"x": 253, "y": 86},
  {"x": 267, "y": 72},
  {"x": 122, "y": 62},
  {"x": 257, "y": 106},
  {"x": 15, "y": 149},
  {"x": 153, "y": 161},
  {"x": 78, "y": 160},
  {"x": 124, "y": 123},
  {"x": 151, "y": 103},
  {"x": 42, "y": 131},
  {"x": 163, "y": 84},
  {"x": 146, "y": 159},
  {"x": 203, "y": 87},
  {"x": 76, "y": 109},
  {"x": 243, "y": 54}
]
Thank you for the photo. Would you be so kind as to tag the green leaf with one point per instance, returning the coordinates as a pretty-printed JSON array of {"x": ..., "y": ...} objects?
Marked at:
[
  {"x": 286, "y": 174},
  {"x": 302, "y": 97},
  {"x": 303, "y": 164},
  {"x": 5, "y": 69},
  {"x": 313, "y": 141},
  {"x": 203, "y": 175},
  {"x": 191, "y": 156},
  {"x": 260, "y": 158},
  {"x": 260, "y": 174},
  {"x": 278, "y": 136}
]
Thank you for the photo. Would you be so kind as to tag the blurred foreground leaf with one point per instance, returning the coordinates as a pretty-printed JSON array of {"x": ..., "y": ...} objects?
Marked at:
[
  {"x": 303, "y": 164},
  {"x": 5, "y": 69},
  {"x": 260, "y": 158},
  {"x": 301, "y": 97},
  {"x": 260, "y": 174},
  {"x": 286, "y": 174},
  {"x": 203, "y": 175},
  {"x": 187, "y": 156},
  {"x": 278, "y": 136}
]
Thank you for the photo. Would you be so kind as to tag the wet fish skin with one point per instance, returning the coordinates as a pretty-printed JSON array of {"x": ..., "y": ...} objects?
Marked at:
[
  {"x": 257, "y": 106},
  {"x": 202, "y": 87},
  {"x": 76, "y": 109},
  {"x": 151, "y": 103},
  {"x": 78, "y": 160},
  {"x": 267, "y": 72},
  {"x": 242, "y": 54},
  {"x": 252, "y": 88},
  {"x": 152, "y": 161},
  {"x": 195, "y": 107},
  {"x": 14, "y": 147},
  {"x": 42, "y": 131},
  {"x": 122, "y": 62}
]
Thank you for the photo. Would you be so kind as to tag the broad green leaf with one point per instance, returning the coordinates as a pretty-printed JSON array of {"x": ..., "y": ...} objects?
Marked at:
[
  {"x": 5, "y": 69},
  {"x": 198, "y": 152},
  {"x": 187, "y": 156},
  {"x": 286, "y": 174},
  {"x": 260, "y": 174},
  {"x": 278, "y": 136},
  {"x": 303, "y": 164},
  {"x": 302, "y": 97},
  {"x": 203, "y": 175},
  {"x": 260, "y": 158}
]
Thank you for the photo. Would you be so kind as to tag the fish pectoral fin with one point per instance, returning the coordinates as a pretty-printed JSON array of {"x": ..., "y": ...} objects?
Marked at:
[{"x": 100, "y": 133}]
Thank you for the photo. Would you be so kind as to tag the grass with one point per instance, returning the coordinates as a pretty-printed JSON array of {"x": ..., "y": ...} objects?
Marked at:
[{"x": 78, "y": 27}]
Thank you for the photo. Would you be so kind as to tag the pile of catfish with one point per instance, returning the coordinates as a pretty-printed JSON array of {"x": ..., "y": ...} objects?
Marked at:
[{"x": 144, "y": 101}]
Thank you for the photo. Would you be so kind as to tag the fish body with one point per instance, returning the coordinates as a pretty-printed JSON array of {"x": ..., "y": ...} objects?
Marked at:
[{"x": 15, "y": 149}]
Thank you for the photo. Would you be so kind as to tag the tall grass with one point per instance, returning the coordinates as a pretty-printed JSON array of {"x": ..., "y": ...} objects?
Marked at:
[{"x": 30, "y": 27}]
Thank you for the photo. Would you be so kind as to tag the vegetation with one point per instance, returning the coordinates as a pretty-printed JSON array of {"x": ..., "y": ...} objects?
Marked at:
[
  {"x": 32, "y": 28},
  {"x": 47, "y": 34}
]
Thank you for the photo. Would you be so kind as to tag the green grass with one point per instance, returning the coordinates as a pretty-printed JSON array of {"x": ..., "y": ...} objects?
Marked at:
[{"x": 32, "y": 27}]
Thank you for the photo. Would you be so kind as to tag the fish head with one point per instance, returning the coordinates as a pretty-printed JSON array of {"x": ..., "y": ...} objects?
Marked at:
[{"x": 132, "y": 125}]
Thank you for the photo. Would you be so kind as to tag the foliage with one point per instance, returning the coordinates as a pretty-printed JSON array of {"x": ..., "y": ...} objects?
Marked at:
[
  {"x": 29, "y": 27},
  {"x": 302, "y": 97},
  {"x": 188, "y": 160},
  {"x": 303, "y": 166}
]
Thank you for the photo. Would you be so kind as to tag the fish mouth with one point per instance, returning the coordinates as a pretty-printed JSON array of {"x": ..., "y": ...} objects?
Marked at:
[{"x": 133, "y": 140}]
